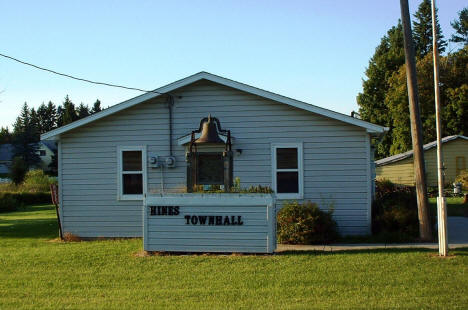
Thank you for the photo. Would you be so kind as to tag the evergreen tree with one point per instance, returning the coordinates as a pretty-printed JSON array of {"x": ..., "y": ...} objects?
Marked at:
[
  {"x": 96, "y": 107},
  {"x": 422, "y": 30},
  {"x": 26, "y": 136},
  {"x": 69, "y": 112},
  {"x": 83, "y": 111},
  {"x": 49, "y": 121},
  {"x": 60, "y": 113},
  {"x": 388, "y": 58},
  {"x": 5, "y": 135},
  {"x": 35, "y": 124},
  {"x": 461, "y": 28}
]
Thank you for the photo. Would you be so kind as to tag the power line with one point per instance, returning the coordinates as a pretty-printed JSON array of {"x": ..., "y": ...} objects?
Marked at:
[{"x": 77, "y": 78}]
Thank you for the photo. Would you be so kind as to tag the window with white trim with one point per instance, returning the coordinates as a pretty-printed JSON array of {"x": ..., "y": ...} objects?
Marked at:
[
  {"x": 132, "y": 172},
  {"x": 287, "y": 170}
]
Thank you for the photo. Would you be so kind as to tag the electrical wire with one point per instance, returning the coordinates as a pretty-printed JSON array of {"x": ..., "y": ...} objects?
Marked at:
[{"x": 77, "y": 78}]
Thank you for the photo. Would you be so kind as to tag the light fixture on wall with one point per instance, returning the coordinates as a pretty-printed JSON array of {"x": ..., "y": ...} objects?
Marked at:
[{"x": 238, "y": 152}]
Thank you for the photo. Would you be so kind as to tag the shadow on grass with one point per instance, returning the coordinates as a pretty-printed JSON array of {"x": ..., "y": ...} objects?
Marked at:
[
  {"x": 457, "y": 252},
  {"x": 33, "y": 208},
  {"x": 29, "y": 228}
]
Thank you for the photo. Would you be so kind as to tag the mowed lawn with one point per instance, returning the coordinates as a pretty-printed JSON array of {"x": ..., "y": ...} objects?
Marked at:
[
  {"x": 455, "y": 206},
  {"x": 36, "y": 273}
]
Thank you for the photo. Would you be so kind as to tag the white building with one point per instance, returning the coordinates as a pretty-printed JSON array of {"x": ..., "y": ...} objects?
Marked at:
[{"x": 302, "y": 151}]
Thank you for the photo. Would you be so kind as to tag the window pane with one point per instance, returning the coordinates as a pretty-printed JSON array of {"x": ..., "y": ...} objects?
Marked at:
[
  {"x": 132, "y": 184},
  {"x": 287, "y": 182},
  {"x": 210, "y": 169},
  {"x": 286, "y": 158},
  {"x": 131, "y": 161}
]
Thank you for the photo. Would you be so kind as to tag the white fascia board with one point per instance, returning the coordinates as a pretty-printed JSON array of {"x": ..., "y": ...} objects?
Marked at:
[
  {"x": 295, "y": 103},
  {"x": 53, "y": 134},
  {"x": 371, "y": 128}
]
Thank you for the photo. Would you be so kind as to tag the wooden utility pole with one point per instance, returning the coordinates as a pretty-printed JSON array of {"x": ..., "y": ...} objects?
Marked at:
[
  {"x": 441, "y": 205},
  {"x": 425, "y": 229}
]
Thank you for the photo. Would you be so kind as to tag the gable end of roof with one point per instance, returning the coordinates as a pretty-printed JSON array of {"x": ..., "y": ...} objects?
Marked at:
[{"x": 371, "y": 128}]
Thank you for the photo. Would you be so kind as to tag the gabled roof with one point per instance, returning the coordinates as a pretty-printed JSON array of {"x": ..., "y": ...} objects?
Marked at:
[
  {"x": 371, "y": 128},
  {"x": 428, "y": 146},
  {"x": 51, "y": 145}
]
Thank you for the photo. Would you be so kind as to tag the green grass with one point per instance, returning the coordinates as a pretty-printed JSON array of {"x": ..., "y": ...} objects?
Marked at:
[
  {"x": 455, "y": 206},
  {"x": 35, "y": 273}
]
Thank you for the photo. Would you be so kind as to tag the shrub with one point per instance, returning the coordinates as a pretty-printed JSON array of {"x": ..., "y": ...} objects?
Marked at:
[
  {"x": 395, "y": 210},
  {"x": 305, "y": 224},
  {"x": 18, "y": 170},
  {"x": 463, "y": 179},
  {"x": 37, "y": 181},
  {"x": 14, "y": 201}
]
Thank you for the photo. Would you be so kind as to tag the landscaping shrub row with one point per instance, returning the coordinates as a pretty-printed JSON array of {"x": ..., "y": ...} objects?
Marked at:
[
  {"x": 395, "y": 212},
  {"x": 14, "y": 201}
]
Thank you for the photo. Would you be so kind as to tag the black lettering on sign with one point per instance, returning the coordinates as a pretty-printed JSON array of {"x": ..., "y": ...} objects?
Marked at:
[
  {"x": 217, "y": 220},
  {"x": 165, "y": 210}
]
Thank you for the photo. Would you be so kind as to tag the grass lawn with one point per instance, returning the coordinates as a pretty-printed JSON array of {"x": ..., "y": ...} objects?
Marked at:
[
  {"x": 35, "y": 273},
  {"x": 455, "y": 206}
]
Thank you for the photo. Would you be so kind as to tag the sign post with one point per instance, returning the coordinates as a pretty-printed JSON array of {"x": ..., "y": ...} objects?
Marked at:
[{"x": 441, "y": 203}]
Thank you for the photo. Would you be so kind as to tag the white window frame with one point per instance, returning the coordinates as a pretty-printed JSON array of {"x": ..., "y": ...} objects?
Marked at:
[
  {"x": 300, "y": 169},
  {"x": 120, "y": 172}
]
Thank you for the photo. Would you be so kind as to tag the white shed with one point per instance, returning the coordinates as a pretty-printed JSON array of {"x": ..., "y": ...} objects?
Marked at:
[{"x": 304, "y": 152}]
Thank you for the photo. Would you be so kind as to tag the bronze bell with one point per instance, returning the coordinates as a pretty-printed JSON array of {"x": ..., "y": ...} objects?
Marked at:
[{"x": 209, "y": 133}]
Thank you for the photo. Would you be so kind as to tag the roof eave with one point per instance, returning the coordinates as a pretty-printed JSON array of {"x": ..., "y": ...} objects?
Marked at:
[{"x": 370, "y": 128}]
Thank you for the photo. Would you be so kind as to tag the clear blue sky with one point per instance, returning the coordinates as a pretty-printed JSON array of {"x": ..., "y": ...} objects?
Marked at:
[{"x": 315, "y": 51}]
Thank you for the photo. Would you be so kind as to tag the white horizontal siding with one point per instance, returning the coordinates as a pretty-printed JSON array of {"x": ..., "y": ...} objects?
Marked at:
[{"x": 335, "y": 161}]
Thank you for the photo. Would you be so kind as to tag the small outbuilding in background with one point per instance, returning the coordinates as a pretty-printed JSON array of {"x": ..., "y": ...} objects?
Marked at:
[{"x": 399, "y": 168}]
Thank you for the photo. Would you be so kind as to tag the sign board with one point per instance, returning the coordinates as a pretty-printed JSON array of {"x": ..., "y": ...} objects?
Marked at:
[{"x": 209, "y": 223}]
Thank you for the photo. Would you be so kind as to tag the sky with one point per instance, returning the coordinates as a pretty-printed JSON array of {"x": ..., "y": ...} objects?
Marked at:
[{"x": 315, "y": 51}]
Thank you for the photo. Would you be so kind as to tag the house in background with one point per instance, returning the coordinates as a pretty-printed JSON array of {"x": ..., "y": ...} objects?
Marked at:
[
  {"x": 399, "y": 168},
  {"x": 108, "y": 161},
  {"x": 45, "y": 150},
  {"x": 6, "y": 156}
]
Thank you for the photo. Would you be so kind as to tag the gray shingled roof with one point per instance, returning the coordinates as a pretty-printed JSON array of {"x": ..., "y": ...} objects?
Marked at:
[
  {"x": 398, "y": 157},
  {"x": 52, "y": 145},
  {"x": 6, "y": 152}
]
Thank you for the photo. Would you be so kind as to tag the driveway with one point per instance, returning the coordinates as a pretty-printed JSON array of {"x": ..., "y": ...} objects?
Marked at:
[{"x": 457, "y": 229}]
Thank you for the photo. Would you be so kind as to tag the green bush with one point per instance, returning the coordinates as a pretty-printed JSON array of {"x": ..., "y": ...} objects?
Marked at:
[
  {"x": 463, "y": 179},
  {"x": 305, "y": 223},
  {"x": 35, "y": 181},
  {"x": 14, "y": 201},
  {"x": 395, "y": 210},
  {"x": 18, "y": 170}
]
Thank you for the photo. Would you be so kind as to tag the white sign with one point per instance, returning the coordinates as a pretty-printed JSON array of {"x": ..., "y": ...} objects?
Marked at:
[{"x": 209, "y": 223}]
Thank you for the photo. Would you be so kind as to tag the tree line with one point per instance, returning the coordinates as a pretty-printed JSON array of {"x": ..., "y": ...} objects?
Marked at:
[
  {"x": 384, "y": 98},
  {"x": 31, "y": 123}
]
